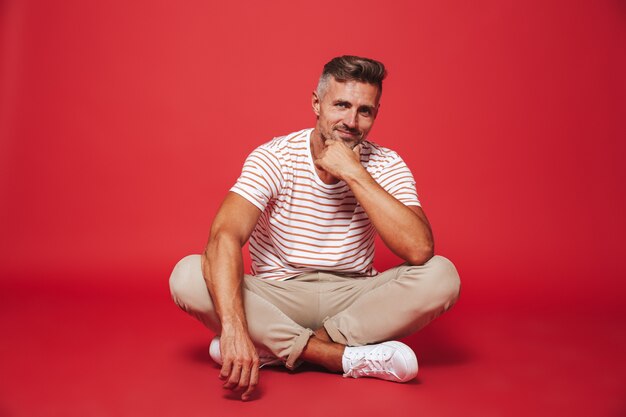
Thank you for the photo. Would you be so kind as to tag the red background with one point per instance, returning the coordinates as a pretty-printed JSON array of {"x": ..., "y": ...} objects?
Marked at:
[{"x": 123, "y": 124}]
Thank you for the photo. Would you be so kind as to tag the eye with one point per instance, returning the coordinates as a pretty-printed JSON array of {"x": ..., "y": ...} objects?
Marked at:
[
  {"x": 366, "y": 111},
  {"x": 342, "y": 105}
]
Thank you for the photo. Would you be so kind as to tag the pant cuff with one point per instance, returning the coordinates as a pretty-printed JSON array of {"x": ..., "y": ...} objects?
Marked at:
[
  {"x": 333, "y": 332},
  {"x": 298, "y": 346}
]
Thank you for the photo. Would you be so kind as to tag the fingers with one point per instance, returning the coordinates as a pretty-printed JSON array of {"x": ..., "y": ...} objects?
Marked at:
[
  {"x": 254, "y": 380},
  {"x": 241, "y": 375},
  {"x": 334, "y": 142},
  {"x": 233, "y": 378},
  {"x": 226, "y": 368},
  {"x": 240, "y": 366}
]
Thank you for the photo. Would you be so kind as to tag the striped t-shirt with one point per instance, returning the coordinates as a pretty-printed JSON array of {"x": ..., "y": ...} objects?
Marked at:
[{"x": 307, "y": 225}]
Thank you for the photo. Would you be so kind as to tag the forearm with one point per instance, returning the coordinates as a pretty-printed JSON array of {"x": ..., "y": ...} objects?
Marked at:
[
  {"x": 400, "y": 228},
  {"x": 222, "y": 267}
]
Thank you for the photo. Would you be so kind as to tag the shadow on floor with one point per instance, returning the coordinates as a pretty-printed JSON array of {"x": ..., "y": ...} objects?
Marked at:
[{"x": 436, "y": 345}]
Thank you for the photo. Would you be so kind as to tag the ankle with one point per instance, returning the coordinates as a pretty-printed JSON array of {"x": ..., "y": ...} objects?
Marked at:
[
  {"x": 322, "y": 334},
  {"x": 325, "y": 353}
]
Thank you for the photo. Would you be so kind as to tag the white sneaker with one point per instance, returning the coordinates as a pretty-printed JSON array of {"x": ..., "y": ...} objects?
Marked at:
[
  {"x": 265, "y": 358},
  {"x": 392, "y": 361}
]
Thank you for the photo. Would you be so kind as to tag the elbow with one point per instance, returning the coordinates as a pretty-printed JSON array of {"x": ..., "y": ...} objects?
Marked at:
[
  {"x": 223, "y": 245},
  {"x": 420, "y": 255},
  {"x": 218, "y": 245},
  {"x": 219, "y": 237}
]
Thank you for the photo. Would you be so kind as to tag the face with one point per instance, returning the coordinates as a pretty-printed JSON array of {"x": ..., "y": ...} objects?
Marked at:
[{"x": 346, "y": 111}]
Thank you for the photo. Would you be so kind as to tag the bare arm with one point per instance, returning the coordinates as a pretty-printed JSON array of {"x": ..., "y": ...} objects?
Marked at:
[
  {"x": 405, "y": 230},
  {"x": 222, "y": 267}
]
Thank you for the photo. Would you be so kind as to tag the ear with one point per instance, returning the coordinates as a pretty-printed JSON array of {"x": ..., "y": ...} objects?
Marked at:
[{"x": 315, "y": 103}]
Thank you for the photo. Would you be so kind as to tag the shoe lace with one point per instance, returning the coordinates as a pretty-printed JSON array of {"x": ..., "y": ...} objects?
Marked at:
[{"x": 368, "y": 363}]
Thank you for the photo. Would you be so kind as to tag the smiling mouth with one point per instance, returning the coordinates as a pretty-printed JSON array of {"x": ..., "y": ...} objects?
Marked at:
[{"x": 346, "y": 132}]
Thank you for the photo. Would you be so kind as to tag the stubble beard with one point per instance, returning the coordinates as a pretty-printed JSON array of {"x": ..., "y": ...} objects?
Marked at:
[{"x": 349, "y": 143}]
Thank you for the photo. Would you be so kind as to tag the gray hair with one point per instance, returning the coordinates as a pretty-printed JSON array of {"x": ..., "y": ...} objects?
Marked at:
[{"x": 352, "y": 68}]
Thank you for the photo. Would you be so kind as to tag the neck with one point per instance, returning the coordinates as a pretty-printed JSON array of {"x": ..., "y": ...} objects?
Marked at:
[{"x": 316, "y": 144}]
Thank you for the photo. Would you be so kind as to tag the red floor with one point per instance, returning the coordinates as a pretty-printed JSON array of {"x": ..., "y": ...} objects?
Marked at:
[{"x": 90, "y": 351}]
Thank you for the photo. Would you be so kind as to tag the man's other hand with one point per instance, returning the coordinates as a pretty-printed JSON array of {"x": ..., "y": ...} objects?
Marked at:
[{"x": 240, "y": 366}]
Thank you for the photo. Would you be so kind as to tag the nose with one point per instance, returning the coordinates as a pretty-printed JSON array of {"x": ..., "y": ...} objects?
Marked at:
[{"x": 350, "y": 119}]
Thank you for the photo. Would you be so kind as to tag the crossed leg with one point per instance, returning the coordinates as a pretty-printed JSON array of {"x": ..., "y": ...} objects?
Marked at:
[{"x": 314, "y": 316}]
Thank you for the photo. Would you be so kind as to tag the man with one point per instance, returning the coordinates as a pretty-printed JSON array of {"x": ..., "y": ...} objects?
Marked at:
[{"x": 311, "y": 203}]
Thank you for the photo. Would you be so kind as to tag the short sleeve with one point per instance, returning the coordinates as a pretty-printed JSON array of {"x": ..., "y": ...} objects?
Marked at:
[
  {"x": 261, "y": 178},
  {"x": 398, "y": 181}
]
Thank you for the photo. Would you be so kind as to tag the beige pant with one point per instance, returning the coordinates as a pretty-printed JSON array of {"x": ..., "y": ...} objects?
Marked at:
[{"x": 282, "y": 315}]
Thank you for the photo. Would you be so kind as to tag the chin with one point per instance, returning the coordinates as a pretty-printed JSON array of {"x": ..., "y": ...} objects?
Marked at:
[
  {"x": 349, "y": 140},
  {"x": 351, "y": 143}
]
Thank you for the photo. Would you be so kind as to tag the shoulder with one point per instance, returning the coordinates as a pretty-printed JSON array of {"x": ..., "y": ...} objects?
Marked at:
[
  {"x": 287, "y": 143},
  {"x": 378, "y": 155},
  {"x": 280, "y": 153}
]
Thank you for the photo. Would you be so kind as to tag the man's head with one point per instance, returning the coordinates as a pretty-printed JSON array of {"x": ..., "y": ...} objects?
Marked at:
[
  {"x": 352, "y": 68},
  {"x": 347, "y": 98}
]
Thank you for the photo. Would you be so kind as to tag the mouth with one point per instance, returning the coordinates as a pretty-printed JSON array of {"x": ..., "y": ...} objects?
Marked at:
[{"x": 348, "y": 133}]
